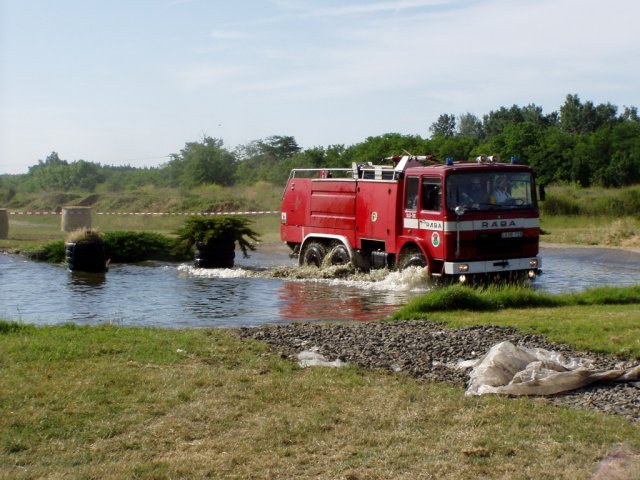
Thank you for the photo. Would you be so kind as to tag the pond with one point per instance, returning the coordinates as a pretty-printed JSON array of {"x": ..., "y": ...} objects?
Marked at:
[{"x": 266, "y": 288}]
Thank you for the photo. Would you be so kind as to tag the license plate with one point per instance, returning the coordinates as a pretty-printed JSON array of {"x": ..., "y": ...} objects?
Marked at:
[{"x": 519, "y": 234}]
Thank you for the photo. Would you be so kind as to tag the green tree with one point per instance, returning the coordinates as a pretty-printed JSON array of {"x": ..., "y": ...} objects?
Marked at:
[
  {"x": 445, "y": 126},
  {"x": 85, "y": 175},
  {"x": 51, "y": 174},
  {"x": 205, "y": 162},
  {"x": 374, "y": 149},
  {"x": 263, "y": 160},
  {"x": 630, "y": 114},
  {"x": 552, "y": 156},
  {"x": 457, "y": 147},
  {"x": 496, "y": 121},
  {"x": 579, "y": 118},
  {"x": 470, "y": 126}
]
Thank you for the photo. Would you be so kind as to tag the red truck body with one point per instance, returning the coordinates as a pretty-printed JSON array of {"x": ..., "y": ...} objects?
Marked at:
[{"x": 458, "y": 219}]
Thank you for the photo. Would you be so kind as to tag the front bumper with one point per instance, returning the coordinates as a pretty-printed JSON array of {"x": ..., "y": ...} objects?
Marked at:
[{"x": 493, "y": 266}]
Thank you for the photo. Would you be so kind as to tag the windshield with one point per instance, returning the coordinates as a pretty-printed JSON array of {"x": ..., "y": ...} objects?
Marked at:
[{"x": 489, "y": 190}]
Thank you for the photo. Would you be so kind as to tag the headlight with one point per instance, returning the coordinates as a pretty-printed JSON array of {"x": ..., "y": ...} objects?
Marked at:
[
  {"x": 463, "y": 267},
  {"x": 533, "y": 263}
]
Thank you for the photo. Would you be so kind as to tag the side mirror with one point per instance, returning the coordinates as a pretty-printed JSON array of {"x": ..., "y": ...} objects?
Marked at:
[
  {"x": 541, "y": 193},
  {"x": 459, "y": 210}
]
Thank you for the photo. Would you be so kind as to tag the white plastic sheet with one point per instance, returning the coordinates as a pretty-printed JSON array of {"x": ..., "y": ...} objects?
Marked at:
[
  {"x": 312, "y": 358},
  {"x": 511, "y": 370}
]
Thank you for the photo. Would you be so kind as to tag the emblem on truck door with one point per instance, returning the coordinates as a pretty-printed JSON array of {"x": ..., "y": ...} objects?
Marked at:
[
  {"x": 435, "y": 239},
  {"x": 374, "y": 216}
]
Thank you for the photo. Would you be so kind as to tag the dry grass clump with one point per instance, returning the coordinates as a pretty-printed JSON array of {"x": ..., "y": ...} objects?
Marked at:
[
  {"x": 83, "y": 235},
  {"x": 594, "y": 231},
  {"x": 623, "y": 232}
]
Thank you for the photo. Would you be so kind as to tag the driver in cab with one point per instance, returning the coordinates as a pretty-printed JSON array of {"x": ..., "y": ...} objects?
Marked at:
[{"x": 501, "y": 195}]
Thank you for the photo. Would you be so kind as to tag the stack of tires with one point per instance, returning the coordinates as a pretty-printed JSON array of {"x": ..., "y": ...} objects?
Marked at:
[
  {"x": 4, "y": 224},
  {"x": 218, "y": 253},
  {"x": 86, "y": 256}
]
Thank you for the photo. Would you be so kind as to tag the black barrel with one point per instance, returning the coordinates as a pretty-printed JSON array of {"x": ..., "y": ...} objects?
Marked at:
[
  {"x": 218, "y": 253},
  {"x": 86, "y": 256}
]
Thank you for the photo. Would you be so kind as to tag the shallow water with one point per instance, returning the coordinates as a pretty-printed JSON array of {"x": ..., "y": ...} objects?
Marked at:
[{"x": 259, "y": 290}]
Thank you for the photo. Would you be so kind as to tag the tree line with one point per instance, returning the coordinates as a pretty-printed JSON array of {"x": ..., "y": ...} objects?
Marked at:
[{"x": 581, "y": 143}]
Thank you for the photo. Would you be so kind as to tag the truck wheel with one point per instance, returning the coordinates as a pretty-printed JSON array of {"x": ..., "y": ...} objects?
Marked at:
[
  {"x": 339, "y": 255},
  {"x": 412, "y": 258},
  {"x": 313, "y": 254}
]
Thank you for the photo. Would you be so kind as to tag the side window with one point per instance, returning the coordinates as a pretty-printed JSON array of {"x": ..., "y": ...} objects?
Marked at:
[
  {"x": 431, "y": 194},
  {"x": 411, "y": 193}
]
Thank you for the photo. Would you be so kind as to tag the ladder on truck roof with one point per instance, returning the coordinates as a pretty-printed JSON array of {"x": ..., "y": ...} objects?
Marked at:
[{"x": 366, "y": 171}]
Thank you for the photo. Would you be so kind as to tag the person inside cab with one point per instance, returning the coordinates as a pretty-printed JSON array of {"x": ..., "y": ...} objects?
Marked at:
[
  {"x": 473, "y": 193},
  {"x": 501, "y": 194}
]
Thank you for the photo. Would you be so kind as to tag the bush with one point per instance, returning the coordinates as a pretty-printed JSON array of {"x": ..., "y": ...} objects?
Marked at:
[
  {"x": 52, "y": 252},
  {"x": 569, "y": 200},
  {"x": 560, "y": 204},
  {"x": 205, "y": 229},
  {"x": 130, "y": 247},
  {"x": 630, "y": 199},
  {"x": 122, "y": 247}
]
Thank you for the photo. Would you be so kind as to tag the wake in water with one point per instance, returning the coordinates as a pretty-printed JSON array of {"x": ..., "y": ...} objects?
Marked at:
[{"x": 412, "y": 279}]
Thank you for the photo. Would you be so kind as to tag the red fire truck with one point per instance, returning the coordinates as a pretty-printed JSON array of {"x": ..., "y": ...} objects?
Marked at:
[{"x": 459, "y": 219}]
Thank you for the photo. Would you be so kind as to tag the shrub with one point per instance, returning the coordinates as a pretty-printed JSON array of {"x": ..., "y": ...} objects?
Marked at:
[
  {"x": 120, "y": 247},
  {"x": 204, "y": 229},
  {"x": 630, "y": 199},
  {"x": 129, "y": 247},
  {"x": 52, "y": 252},
  {"x": 560, "y": 204}
]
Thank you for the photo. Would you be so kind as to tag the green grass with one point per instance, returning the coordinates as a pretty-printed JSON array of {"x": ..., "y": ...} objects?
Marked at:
[
  {"x": 591, "y": 230},
  {"x": 604, "y": 319},
  {"x": 111, "y": 402},
  {"x": 594, "y": 201},
  {"x": 205, "y": 198}
]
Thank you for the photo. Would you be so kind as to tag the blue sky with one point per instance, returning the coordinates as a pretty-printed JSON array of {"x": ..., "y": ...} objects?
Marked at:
[{"x": 130, "y": 82}]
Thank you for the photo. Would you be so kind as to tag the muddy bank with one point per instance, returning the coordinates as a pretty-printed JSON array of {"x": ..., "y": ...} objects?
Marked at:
[{"x": 429, "y": 352}]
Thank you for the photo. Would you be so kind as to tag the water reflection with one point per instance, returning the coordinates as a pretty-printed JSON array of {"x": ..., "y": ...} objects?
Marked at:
[
  {"x": 303, "y": 300},
  {"x": 86, "y": 282},
  {"x": 218, "y": 299}
]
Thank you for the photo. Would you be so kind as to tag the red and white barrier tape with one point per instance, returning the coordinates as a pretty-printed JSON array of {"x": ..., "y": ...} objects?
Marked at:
[{"x": 188, "y": 214}]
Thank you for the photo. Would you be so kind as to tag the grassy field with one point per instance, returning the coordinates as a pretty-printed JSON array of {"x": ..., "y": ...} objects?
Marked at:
[
  {"x": 109, "y": 402},
  {"x": 591, "y": 231}
]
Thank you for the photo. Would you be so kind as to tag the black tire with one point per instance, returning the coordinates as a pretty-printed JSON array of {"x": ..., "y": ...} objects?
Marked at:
[
  {"x": 215, "y": 254},
  {"x": 412, "y": 258},
  {"x": 88, "y": 256},
  {"x": 313, "y": 254},
  {"x": 339, "y": 255}
]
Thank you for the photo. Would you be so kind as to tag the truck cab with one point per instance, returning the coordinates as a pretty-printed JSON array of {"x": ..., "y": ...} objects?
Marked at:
[{"x": 473, "y": 218}]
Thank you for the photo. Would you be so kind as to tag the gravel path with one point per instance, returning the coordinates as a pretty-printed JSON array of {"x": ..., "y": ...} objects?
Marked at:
[{"x": 428, "y": 351}]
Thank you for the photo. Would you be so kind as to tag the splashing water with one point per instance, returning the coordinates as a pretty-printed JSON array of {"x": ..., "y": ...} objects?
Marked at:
[{"x": 412, "y": 279}]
